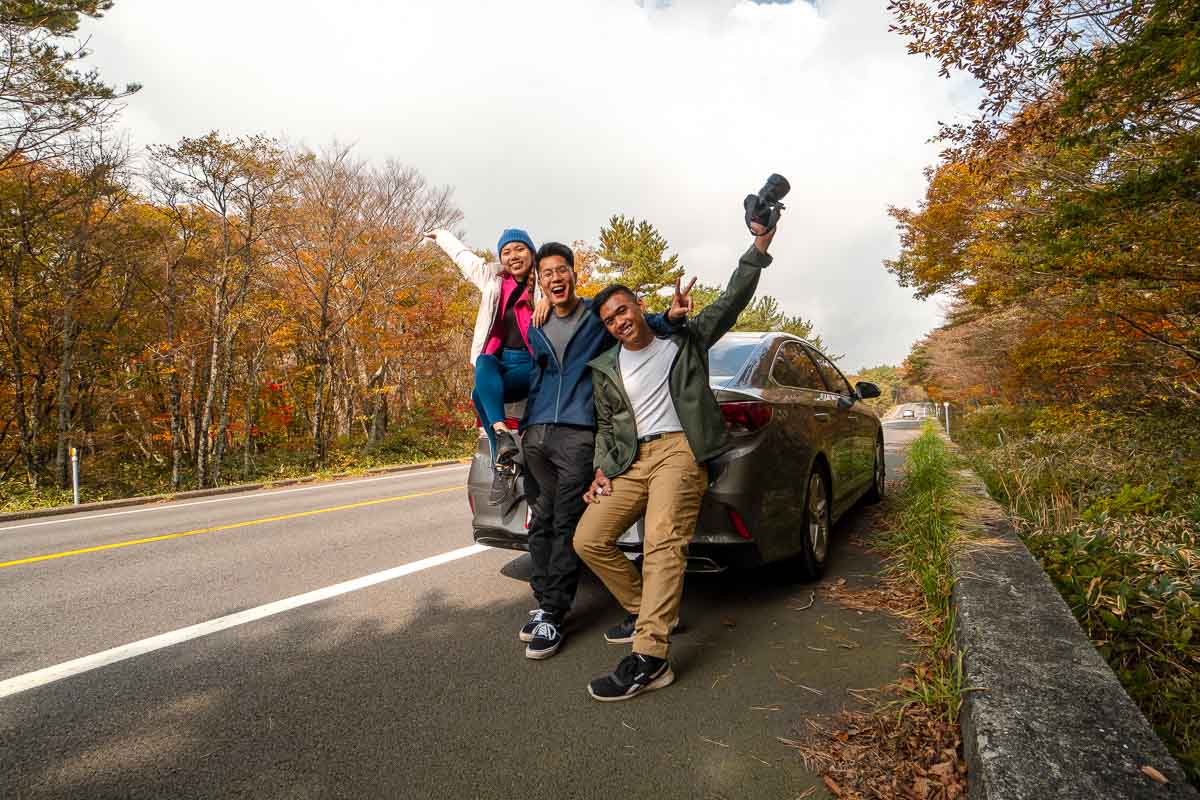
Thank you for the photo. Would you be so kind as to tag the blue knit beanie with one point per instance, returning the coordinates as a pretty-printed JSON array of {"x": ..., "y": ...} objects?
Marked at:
[{"x": 515, "y": 235}]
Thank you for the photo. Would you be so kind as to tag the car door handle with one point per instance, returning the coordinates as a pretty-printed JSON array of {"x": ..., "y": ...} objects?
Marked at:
[{"x": 821, "y": 416}]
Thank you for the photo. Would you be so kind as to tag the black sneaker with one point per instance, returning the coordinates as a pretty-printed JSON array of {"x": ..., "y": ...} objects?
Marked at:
[
  {"x": 535, "y": 616},
  {"x": 622, "y": 633},
  {"x": 635, "y": 674},
  {"x": 546, "y": 638},
  {"x": 504, "y": 489},
  {"x": 506, "y": 447}
]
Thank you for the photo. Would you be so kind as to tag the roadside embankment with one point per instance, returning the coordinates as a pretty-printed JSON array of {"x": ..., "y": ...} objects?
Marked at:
[
  {"x": 102, "y": 505},
  {"x": 1043, "y": 714}
]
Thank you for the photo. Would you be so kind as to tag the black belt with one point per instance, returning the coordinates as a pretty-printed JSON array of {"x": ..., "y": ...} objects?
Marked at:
[{"x": 653, "y": 436}]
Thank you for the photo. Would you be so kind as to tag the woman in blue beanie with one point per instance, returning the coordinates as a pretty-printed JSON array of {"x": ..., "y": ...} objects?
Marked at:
[{"x": 500, "y": 345}]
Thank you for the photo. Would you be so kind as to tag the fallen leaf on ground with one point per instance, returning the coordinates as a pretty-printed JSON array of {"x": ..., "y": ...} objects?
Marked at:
[
  {"x": 832, "y": 786},
  {"x": 782, "y": 677},
  {"x": 729, "y": 622},
  {"x": 884, "y": 756},
  {"x": 714, "y": 741},
  {"x": 1154, "y": 775},
  {"x": 812, "y": 598}
]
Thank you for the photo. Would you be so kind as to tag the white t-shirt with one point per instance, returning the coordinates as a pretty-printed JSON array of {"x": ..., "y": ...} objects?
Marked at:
[{"x": 646, "y": 373}]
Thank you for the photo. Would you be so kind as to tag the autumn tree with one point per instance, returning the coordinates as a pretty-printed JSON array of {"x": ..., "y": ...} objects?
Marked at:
[
  {"x": 1071, "y": 199},
  {"x": 355, "y": 231},
  {"x": 243, "y": 184},
  {"x": 97, "y": 177}
]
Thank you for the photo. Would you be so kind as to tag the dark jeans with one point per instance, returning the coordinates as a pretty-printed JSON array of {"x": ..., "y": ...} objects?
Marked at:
[
  {"x": 500, "y": 378},
  {"x": 559, "y": 459}
]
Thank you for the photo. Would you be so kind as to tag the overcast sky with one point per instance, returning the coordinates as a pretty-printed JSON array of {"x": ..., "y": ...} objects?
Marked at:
[{"x": 555, "y": 114}]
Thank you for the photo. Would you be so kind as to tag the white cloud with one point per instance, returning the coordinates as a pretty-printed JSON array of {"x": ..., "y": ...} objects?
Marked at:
[{"x": 555, "y": 114}]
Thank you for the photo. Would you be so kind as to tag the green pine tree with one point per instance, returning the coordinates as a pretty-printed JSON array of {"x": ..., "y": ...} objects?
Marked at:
[{"x": 637, "y": 257}]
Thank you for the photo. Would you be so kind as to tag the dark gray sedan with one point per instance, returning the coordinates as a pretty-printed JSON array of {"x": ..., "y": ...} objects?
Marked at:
[{"x": 805, "y": 451}]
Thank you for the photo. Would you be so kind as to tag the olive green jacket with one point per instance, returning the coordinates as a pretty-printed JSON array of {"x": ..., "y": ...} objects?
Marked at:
[{"x": 703, "y": 423}]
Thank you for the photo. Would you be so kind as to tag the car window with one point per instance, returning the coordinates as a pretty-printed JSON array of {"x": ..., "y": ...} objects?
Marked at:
[
  {"x": 727, "y": 357},
  {"x": 792, "y": 368},
  {"x": 833, "y": 378}
]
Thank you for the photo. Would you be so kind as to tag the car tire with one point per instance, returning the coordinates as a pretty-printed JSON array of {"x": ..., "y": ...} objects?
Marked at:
[
  {"x": 878, "y": 475},
  {"x": 816, "y": 526}
]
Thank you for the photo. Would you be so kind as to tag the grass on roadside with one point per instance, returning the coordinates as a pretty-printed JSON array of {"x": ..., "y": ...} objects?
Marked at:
[
  {"x": 919, "y": 547},
  {"x": 909, "y": 745},
  {"x": 107, "y": 477}
]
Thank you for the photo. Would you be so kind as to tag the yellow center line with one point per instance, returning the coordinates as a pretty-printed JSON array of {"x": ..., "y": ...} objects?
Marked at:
[{"x": 164, "y": 537}]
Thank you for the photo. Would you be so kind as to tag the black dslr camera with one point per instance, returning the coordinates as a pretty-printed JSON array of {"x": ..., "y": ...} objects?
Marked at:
[{"x": 765, "y": 207}]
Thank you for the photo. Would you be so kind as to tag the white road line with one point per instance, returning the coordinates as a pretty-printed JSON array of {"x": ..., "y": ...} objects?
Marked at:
[
  {"x": 41, "y": 677},
  {"x": 271, "y": 493}
]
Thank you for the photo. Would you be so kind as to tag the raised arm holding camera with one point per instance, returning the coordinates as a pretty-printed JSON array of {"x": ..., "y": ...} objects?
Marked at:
[{"x": 657, "y": 425}]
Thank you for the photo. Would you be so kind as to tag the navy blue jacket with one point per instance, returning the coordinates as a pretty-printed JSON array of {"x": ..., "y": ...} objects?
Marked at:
[{"x": 562, "y": 393}]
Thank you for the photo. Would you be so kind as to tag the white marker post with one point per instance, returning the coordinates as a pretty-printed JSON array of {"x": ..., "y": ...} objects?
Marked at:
[
  {"x": 946, "y": 404},
  {"x": 75, "y": 472}
]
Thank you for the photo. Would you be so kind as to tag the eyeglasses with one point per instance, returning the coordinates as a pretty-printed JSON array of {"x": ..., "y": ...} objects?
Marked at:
[{"x": 552, "y": 272}]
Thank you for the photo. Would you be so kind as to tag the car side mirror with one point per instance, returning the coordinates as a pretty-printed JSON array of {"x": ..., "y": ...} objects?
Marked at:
[{"x": 866, "y": 390}]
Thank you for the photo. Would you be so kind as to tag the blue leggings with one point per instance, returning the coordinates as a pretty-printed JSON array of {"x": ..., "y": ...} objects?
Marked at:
[{"x": 499, "y": 379}]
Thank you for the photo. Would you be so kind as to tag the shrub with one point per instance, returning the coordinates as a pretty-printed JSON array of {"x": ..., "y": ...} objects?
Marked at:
[{"x": 1110, "y": 504}]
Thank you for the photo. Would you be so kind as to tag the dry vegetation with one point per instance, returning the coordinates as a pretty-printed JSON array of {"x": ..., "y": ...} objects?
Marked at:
[{"x": 907, "y": 744}]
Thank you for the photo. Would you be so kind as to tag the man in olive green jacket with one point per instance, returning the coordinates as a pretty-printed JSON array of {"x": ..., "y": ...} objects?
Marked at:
[{"x": 657, "y": 426}]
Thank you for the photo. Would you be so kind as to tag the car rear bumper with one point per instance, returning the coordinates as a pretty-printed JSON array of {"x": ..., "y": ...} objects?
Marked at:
[{"x": 704, "y": 555}]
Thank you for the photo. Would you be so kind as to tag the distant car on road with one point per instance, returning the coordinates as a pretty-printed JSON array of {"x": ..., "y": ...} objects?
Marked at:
[
  {"x": 805, "y": 451},
  {"x": 908, "y": 413}
]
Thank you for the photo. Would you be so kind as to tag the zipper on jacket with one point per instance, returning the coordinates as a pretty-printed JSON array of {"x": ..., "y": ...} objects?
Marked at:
[
  {"x": 550, "y": 347},
  {"x": 567, "y": 349}
]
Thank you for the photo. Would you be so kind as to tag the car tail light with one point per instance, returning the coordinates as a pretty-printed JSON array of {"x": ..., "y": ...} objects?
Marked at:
[
  {"x": 739, "y": 524},
  {"x": 471, "y": 502},
  {"x": 746, "y": 416},
  {"x": 528, "y": 516}
]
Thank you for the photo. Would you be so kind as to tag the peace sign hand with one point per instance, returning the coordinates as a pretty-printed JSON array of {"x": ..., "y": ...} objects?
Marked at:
[{"x": 681, "y": 303}]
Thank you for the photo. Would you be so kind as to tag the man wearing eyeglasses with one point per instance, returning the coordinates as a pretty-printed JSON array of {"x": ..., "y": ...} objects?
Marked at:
[{"x": 559, "y": 437}]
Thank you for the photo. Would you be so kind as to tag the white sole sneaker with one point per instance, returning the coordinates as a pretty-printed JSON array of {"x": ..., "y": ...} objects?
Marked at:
[
  {"x": 661, "y": 682},
  {"x": 538, "y": 655}
]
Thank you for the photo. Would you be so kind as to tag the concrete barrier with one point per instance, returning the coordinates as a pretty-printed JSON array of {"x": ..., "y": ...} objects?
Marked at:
[
  {"x": 102, "y": 505},
  {"x": 1044, "y": 717}
]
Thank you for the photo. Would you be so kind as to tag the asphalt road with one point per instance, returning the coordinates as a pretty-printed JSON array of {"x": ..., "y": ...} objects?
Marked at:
[{"x": 410, "y": 683}]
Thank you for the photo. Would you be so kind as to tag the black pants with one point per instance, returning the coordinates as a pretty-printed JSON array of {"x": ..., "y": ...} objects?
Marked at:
[{"x": 559, "y": 459}]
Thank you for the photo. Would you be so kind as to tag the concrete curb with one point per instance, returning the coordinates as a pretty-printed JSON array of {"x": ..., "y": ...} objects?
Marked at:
[
  {"x": 1044, "y": 715},
  {"x": 102, "y": 505}
]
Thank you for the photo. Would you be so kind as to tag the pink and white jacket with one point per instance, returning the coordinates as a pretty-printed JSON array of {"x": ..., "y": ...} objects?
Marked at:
[{"x": 495, "y": 286}]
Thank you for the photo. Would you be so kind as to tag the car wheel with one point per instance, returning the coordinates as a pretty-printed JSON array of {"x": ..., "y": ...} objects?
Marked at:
[
  {"x": 816, "y": 522},
  {"x": 878, "y": 475}
]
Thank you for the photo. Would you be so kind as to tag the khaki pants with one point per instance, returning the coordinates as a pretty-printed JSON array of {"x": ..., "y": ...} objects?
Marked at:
[{"x": 666, "y": 484}]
